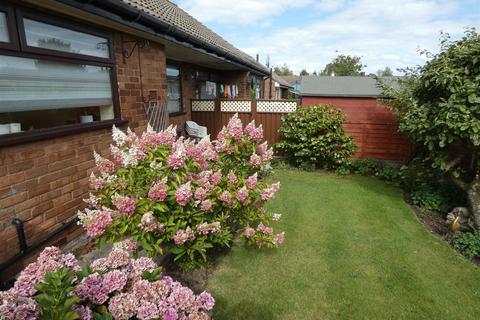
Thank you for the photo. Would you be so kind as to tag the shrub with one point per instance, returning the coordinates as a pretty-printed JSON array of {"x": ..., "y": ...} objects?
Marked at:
[
  {"x": 468, "y": 243},
  {"x": 186, "y": 197},
  {"x": 429, "y": 198},
  {"x": 371, "y": 167},
  {"x": 314, "y": 137},
  {"x": 115, "y": 287}
]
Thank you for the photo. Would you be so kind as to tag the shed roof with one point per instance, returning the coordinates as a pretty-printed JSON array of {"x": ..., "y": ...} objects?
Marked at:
[
  {"x": 281, "y": 80},
  {"x": 343, "y": 86}
]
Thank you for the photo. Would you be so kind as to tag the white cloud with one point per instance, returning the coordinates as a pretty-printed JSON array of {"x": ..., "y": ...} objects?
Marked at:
[
  {"x": 239, "y": 11},
  {"x": 382, "y": 33}
]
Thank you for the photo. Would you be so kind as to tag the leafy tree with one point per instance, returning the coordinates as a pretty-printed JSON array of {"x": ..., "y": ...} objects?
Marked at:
[
  {"x": 314, "y": 73},
  {"x": 283, "y": 71},
  {"x": 344, "y": 65},
  {"x": 439, "y": 108},
  {"x": 387, "y": 72},
  {"x": 304, "y": 72}
]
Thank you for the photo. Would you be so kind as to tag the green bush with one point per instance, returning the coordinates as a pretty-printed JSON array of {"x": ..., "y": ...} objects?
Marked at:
[
  {"x": 313, "y": 137},
  {"x": 429, "y": 198},
  {"x": 371, "y": 167},
  {"x": 468, "y": 244}
]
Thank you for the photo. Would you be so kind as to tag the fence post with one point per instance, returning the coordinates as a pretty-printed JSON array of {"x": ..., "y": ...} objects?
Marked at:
[
  {"x": 253, "y": 111},
  {"x": 217, "y": 115}
]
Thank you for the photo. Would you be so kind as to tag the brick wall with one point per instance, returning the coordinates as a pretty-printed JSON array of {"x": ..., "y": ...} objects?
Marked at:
[{"x": 43, "y": 183}]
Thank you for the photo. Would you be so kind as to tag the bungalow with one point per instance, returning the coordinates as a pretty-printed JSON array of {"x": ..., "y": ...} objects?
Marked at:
[
  {"x": 278, "y": 88},
  {"x": 372, "y": 125},
  {"x": 69, "y": 70}
]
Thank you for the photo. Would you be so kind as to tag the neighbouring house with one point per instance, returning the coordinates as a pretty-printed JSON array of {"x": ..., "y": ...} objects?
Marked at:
[
  {"x": 278, "y": 88},
  {"x": 372, "y": 125},
  {"x": 69, "y": 70},
  {"x": 295, "y": 82}
]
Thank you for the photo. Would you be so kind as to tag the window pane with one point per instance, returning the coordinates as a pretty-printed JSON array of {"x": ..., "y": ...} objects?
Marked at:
[
  {"x": 42, "y": 35},
  {"x": 173, "y": 89},
  {"x": 4, "y": 37},
  {"x": 41, "y": 93}
]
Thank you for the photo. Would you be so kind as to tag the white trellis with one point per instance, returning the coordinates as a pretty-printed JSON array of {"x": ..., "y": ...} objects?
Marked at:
[
  {"x": 236, "y": 106},
  {"x": 203, "y": 105},
  {"x": 276, "y": 106}
]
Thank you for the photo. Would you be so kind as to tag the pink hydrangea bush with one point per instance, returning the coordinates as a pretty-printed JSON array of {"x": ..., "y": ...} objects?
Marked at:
[
  {"x": 117, "y": 285},
  {"x": 179, "y": 195}
]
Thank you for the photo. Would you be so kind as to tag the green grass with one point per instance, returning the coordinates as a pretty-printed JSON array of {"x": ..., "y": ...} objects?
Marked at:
[{"x": 353, "y": 250}]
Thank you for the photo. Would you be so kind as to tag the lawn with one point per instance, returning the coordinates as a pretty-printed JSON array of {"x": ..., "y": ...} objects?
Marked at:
[{"x": 353, "y": 250}]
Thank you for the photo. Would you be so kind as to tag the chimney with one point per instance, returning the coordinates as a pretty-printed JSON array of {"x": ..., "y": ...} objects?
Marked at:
[{"x": 257, "y": 57}]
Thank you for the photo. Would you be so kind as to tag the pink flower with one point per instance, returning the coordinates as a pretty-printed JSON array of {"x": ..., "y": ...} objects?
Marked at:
[
  {"x": 184, "y": 194},
  {"x": 262, "y": 148},
  {"x": 97, "y": 183},
  {"x": 234, "y": 127},
  {"x": 252, "y": 181},
  {"x": 104, "y": 165},
  {"x": 149, "y": 224},
  {"x": 178, "y": 155},
  {"x": 122, "y": 307},
  {"x": 255, "y": 160},
  {"x": 124, "y": 204},
  {"x": 206, "y": 205},
  {"x": 264, "y": 229},
  {"x": 267, "y": 155},
  {"x": 254, "y": 133},
  {"x": 158, "y": 191},
  {"x": 249, "y": 232},
  {"x": 268, "y": 193},
  {"x": 206, "y": 228},
  {"x": 92, "y": 289},
  {"x": 232, "y": 178},
  {"x": 280, "y": 238},
  {"x": 200, "y": 194},
  {"x": 226, "y": 197},
  {"x": 242, "y": 195},
  {"x": 215, "y": 178},
  {"x": 151, "y": 138},
  {"x": 182, "y": 236},
  {"x": 206, "y": 300},
  {"x": 114, "y": 280},
  {"x": 96, "y": 221}
]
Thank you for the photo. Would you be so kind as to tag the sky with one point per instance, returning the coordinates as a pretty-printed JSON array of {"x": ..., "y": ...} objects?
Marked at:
[{"x": 308, "y": 34}]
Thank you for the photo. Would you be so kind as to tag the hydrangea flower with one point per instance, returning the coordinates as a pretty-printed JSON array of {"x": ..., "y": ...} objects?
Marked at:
[
  {"x": 184, "y": 194},
  {"x": 124, "y": 204}
]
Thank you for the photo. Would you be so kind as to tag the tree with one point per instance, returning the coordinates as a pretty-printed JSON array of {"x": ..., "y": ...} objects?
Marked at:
[
  {"x": 387, "y": 72},
  {"x": 283, "y": 71},
  {"x": 304, "y": 72},
  {"x": 439, "y": 108},
  {"x": 344, "y": 65},
  {"x": 314, "y": 73}
]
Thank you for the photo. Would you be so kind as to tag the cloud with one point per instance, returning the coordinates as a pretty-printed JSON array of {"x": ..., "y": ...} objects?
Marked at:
[
  {"x": 383, "y": 33},
  {"x": 238, "y": 12}
]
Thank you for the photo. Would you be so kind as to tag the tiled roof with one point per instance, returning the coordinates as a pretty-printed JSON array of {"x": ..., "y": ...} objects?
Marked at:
[
  {"x": 281, "y": 80},
  {"x": 170, "y": 13}
]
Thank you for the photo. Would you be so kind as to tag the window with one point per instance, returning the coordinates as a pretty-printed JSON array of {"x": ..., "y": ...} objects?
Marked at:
[
  {"x": 60, "y": 77},
  {"x": 174, "y": 92},
  {"x": 47, "y": 36},
  {"x": 208, "y": 90},
  {"x": 4, "y": 36}
]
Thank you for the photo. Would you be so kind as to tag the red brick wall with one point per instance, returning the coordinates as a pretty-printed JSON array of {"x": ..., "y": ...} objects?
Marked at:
[
  {"x": 373, "y": 127},
  {"x": 43, "y": 183}
]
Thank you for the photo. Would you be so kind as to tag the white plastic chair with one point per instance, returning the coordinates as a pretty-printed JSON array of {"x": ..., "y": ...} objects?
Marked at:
[{"x": 194, "y": 130}]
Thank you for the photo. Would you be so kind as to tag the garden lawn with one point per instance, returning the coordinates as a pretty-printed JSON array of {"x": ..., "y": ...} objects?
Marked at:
[{"x": 353, "y": 250}]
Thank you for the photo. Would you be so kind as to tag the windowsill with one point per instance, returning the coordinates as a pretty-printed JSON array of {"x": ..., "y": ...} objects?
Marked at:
[
  {"x": 177, "y": 114},
  {"x": 50, "y": 133}
]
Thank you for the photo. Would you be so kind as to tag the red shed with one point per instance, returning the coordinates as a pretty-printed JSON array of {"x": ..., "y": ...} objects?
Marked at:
[{"x": 372, "y": 125}]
